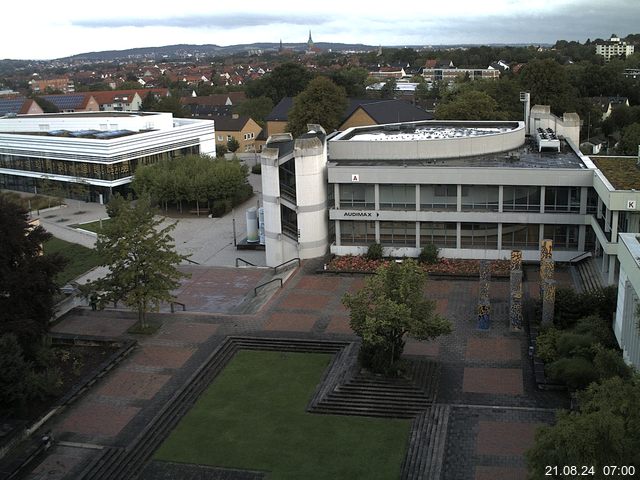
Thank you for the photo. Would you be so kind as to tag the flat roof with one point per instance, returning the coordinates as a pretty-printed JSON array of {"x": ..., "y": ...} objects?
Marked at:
[
  {"x": 84, "y": 115},
  {"x": 426, "y": 130},
  {"x": 622, "y": 172},
  {"x": 527, "y": 156}
]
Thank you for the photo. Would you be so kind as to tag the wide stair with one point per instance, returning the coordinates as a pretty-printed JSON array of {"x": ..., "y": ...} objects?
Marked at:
[
  {"x": 426, "y": 451},
  {"x": 589, "y": 275},
  {"x": 367, "y": 394}
]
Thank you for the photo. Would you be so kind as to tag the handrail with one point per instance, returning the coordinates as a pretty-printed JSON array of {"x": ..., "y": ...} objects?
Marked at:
[
  {"x": 275, "y": 269},
  {"x": 172, "y": 306},
  {"x": 243, "y": 260},
  {"x": 255, "y": 290},
  {"x": 191, "y": 261},
  {"x": 582, "y": 256}
]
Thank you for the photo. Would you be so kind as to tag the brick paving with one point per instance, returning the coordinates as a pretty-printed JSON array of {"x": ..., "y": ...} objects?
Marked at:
[
  {"x": 59, "y": 461},
  {"x": 478, "y": 367}
]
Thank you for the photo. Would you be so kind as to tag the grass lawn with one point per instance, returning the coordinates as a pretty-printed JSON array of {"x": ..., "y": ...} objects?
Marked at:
[
  {"x": 93, "y": 226},
  {"x": 253, "y": 417},
  {"x": 81, "y": 259}
]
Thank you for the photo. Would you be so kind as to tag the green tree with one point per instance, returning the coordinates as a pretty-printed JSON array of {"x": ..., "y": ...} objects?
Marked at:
[
  {"x": 548, "y": 83},
  {"x": 322, "y": 102},
  {"x": 390, "y": 306},
  {"x": 286, "y": 80},
  {"x": 27, "y": 284},
  {"x": 141, "y": 257},
  {"x": 256, "y": 109},
  {"x": 630, "y": 139},
  {"x": 468, "y": 105},
  {"x": 606, "y": 430},
  {"x": 233, "y": 145},
  {"x": 353, "y": 80},
  {"x": 169, "y": 104},
  {"x": 388, "y": 90}
]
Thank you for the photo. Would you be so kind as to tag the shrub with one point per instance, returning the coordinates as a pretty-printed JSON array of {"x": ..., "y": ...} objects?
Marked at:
[
  {"x": 576, "y": 372},
  {"x": 597, "y": 327},
  {"x": 221, "y": 207},
  {"x": 571, "y": 344},
  {"x": 221, "y": 149},
  {"x": 608, "y": 363},
  {"x": 257, "y": 169},
  {"x": 374, "y": 252},
  {"x": 429, "y": 254},
  {"x": 546, "y": 345}
]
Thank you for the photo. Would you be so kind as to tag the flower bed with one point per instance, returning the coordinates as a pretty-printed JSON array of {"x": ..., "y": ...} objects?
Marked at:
[{"x": 445, "y": 266}]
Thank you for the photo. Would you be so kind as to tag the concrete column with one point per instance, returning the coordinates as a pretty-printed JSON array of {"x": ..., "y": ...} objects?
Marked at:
[
  {"x": 376, "y": 196},
  {"x": 584, "y": 192},
  {"x": 417, "y": 198},
  {"x": 377, "y": 231},
  {"x": 459, "y": 199},
  {"x": 582, "y": 236},
  {"x": 541, "y": 234},
  {"x": 336, "y": 195},
  {"x": 607, "y": 221},
  {"x": 614, "y": 226},
  {"x": 612, "y": 269},
  {"x": 338, "y": 241},
  {"x": 543, "y": 191},
  {"x": 599, "y": 211},
  {"x": 499, "y": 236},
  {"x": 458, "y": 235},
  {"x": 605, "y": 261},
  {"x": 548, "y": 302},
  {"x": 500, "y": 198}
]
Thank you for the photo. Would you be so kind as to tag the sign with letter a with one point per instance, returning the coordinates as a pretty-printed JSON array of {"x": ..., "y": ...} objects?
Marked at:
[{"x": 355, "y": 177}]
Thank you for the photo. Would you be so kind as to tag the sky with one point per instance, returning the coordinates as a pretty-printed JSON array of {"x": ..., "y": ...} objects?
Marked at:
[{"x": 46, "y": 30}]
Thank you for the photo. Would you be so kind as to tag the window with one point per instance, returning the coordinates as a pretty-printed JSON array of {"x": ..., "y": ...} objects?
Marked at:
[
  {"x": 479, "y": 235},
  {"x": 442, "y": 235},
  {"x": 520, "y": 199},
  {"x": 564, "y": 237},
  {"x": 562, "y": 199},
  {"x": 398, "y": 197},
  {"x": 220, "y": 138},
  {"x": 592, "y": 201},
  {"x": 357, "y": 196},
  {"x": 439, "y": 197},
  {"x": 398, "y": 234},
  {"x": 520, "y": 236},
  {"x": 357, "y": 233},
  {"x": 289, "y": 220},
  {"x": 480, "y": 197},
  {"x": 229, "y": 137}
]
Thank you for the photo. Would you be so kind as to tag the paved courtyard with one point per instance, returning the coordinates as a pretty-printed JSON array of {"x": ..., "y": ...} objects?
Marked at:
[{"x": 486, "y": 375}]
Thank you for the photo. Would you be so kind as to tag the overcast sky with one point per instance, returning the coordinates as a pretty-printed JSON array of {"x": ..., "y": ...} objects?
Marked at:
[{"x": 40, "y": 29}]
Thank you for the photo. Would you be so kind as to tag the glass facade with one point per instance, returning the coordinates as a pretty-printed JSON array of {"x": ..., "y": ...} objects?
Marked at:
[
  {"x": 96, "y": 171},
  {"x": 398, "y": 234},
  {"x": 357, "y": 196},
  {"x": 562, "y": 199},
  {"x": 565, "y": 237},
  {"x": 480, "y": 197},
  {"x": 287, "y": 177},
  {"x": 520, "y": 198},
  {"x": 289, "y": 220},
  {"x": 397, "y": 197},
  {"x": 479, "y": 235},
  {"x": 439, "y": 197},
  {"x": 520, "y": 236},
  {"x": 442, "y": 235},
  {"x": 357, "y": 233}
]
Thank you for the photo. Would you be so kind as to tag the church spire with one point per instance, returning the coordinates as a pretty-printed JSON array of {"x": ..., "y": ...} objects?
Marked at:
[{"x": 310, "y": 41}]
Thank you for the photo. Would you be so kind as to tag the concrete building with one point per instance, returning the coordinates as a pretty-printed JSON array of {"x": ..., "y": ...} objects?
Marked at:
[
  {"x": 455, "y": 74},
  {"x": 97, "y": 151},
  {"x": 625, "y": 326},
  {"x": 614, "y": 47}
]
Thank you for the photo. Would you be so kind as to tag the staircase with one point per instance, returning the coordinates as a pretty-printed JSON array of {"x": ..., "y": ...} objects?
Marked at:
[{"x": 590, "y": 277}]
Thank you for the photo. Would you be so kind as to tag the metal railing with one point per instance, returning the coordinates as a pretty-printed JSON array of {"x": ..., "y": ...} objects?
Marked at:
[
  {"x": 255, "y": 290},
  {"x": 238, "y": 259},
  {"x": 190, "y": 261},
  {"x": 173, "y": 308},
  {"x": 275, "y": 269},
  {"x": 577, "y": 258}
]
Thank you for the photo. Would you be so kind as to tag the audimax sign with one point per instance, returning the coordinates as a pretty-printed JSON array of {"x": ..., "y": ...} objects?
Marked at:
[{"x": 361, "y": 214}]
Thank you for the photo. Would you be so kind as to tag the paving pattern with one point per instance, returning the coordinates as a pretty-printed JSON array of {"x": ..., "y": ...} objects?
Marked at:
[{"x": 479, "y": 369}]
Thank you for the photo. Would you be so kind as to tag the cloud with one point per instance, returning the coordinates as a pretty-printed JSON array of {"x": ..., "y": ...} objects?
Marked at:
[{"x": 233, "y": 21}]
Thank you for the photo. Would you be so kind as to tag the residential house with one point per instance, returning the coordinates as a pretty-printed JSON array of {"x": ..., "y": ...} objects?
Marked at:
[
  {"x": 608, "y": 104},
  {"x": 74, "y": 102},
  {"x": 62, "y": 84},
  {"x": 244, "y": 129},
  {"x": 19, "y": 106},
  {"x": 614, "y": 47}
]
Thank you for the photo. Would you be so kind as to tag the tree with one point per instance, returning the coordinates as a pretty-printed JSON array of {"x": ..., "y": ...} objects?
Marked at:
[
  {"x": 233, "y": 145},
  {"x": 630, "y": 139},
  {"x": 549, "y": 84},
  {"x": 322, "y": 102},
  {"x": 169, "y": 104},
  {"x": 256, "y": 109},
  {"x": 468, "y": 105},
  {"x": 27, "y": 282},
  {"x": 604, "y": 432},
  {"x": 388, "y": 90},
  {"x": 352, "y": 79},
  {"x": 141, "y": 258},
  {"x": 391, "y": 305},
  {"x": 286, "y": 80}
]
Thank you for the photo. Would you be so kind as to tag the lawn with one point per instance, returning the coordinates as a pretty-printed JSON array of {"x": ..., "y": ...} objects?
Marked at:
[
  {"x": 93, "y": 226},
  {"x": 253, "y": 417},
  {"x": 81, "y": 259}
]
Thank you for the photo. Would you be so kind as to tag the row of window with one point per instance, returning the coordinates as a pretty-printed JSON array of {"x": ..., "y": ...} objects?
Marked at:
[
  {"x": 99, "y": 171},
  {"x": 473, "y": 197},
  {"x": 444, "y": 234}
]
